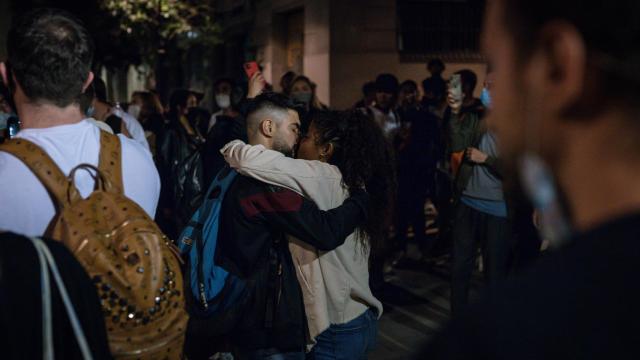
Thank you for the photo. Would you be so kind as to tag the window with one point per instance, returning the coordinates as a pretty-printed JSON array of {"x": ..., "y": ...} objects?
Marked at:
[
  {"x": 446, "y": 28},
  {"x": 295, "y": 40}
]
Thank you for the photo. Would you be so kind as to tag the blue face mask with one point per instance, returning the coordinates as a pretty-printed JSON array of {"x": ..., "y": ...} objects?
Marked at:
[
  {"x": 91, "y": 111},
  {"x": 485, "y": 98},
  {"x": 540, "y": 186}
]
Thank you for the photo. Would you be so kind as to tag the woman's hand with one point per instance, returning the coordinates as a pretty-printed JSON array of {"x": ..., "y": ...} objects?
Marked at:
[{"x": 256, "y": 85}]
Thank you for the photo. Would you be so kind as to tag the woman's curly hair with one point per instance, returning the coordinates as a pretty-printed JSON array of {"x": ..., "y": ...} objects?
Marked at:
[{"x": 365, "y": 159}]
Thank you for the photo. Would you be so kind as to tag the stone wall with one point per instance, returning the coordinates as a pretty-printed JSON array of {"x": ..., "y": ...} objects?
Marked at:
[{"x": 346, "y": 43}]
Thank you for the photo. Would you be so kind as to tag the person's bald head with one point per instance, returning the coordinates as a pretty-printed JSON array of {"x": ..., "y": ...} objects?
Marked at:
[{"x": 273, "y": 122}]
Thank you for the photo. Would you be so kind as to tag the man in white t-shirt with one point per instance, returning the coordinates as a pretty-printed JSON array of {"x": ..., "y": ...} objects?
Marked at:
[{"x": 48, "y": 67}]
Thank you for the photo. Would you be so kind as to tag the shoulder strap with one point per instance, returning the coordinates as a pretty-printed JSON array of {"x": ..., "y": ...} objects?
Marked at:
[
  {"x": 111, "y": 161},
  {"x": 44, "y": 168},
  {"x": 47, "y": 262}
]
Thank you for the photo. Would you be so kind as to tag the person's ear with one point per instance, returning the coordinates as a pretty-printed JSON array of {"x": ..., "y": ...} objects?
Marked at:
[
  {"x": 3, "y": 73},
  {"x": 558, "y": 67},
  {"x": 267, "y": 127},
  {"x": 88, "y": 81},
  {"x": 326, "y": 151}
]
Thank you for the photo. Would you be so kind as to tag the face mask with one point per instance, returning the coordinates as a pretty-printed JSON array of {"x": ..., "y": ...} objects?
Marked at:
[
  {"x": 91, "y": 111},
  {"x": 539, "y": 183},
  {"x": 134, "y": 110},
  {"x": 223, "y": 101},
  {"x": 302, "y": 97},
  {"x": 485, "y": 98}
]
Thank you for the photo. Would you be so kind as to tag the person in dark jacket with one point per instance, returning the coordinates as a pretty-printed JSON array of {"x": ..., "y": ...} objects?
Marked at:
[
  {"x": 179, "y": 158},
  {"x": 224, "y": 131},
  {"x": 480, "y": 213},
  {"x": 21, "y": 303},
  {"x": 226, "y": 125},
  {"x": 255, "y": 218},
  {"x": 416, "y": 165}
]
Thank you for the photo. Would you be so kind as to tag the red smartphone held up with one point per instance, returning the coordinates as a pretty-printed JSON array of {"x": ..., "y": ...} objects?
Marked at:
[{"x": 251, "y": 68}]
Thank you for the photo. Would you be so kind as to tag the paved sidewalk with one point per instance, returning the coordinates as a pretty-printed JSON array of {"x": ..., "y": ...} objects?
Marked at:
[{"x": 416, "y": 305}]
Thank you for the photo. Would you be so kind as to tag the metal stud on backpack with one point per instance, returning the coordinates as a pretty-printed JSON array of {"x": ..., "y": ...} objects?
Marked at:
[{"x": 135, "y": 267}]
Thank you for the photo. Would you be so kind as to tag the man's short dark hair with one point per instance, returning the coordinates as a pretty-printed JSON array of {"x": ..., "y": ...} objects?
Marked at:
[
  {"x": 469, "y": 80},
  {"x": 267, "y": 102},
  {"x": 369, "y": 88},
  {"x": 436, "y": 86},
  {"x": 179, "y": 97},
  {"x": 50, "y": 54},
  {"x": 223, "y": 80},
  {"x": 409, "y": 84},
  {"x": 387, "y": 83},
  {"x": 436, "y": 63}
]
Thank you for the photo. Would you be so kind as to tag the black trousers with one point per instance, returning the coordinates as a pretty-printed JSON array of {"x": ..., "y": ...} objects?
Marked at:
[
  {"x": 410, "y": 211},
  {"x": 472, "y": 228}
]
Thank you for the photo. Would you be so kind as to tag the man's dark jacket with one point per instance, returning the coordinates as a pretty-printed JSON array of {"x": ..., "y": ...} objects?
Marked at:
[{"x": 255, "y": 219}]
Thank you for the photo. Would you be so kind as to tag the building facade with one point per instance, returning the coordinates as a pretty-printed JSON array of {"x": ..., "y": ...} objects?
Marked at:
[{"x": 341, "y": 44}]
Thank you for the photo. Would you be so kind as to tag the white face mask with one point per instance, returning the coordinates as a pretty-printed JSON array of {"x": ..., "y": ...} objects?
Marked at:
[
  {"x": 223, "y": 101},
  {"x": 134, "y": 110}
]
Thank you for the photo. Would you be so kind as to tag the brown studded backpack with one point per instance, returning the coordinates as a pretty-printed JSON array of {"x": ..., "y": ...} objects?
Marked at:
[{"x": 134, "y": 266}]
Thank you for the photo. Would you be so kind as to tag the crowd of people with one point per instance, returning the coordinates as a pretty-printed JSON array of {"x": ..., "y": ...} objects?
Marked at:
[{"x": 264, "y": 229}]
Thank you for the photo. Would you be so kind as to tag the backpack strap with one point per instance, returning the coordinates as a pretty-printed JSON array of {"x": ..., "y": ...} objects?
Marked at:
[
  {"x": 44, "y": 168},
  {"x": 47, "y": 263},
  {"x": 110, "y": 163}
]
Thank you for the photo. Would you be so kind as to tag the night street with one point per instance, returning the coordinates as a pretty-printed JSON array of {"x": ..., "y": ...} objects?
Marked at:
[{"x": 416, "y": 305}]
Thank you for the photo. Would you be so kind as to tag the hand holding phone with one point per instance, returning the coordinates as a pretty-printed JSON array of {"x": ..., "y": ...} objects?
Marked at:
[
  {"x": 256, "y": 82},
  {"x": 251, "y": 68}
]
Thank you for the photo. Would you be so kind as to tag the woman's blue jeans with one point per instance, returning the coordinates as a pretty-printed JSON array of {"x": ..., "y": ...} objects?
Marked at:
[{"x": 349, "y": 341}]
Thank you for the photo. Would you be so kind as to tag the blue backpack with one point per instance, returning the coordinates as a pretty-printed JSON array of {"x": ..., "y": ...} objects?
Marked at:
[{"x": 215, "y": 293}]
